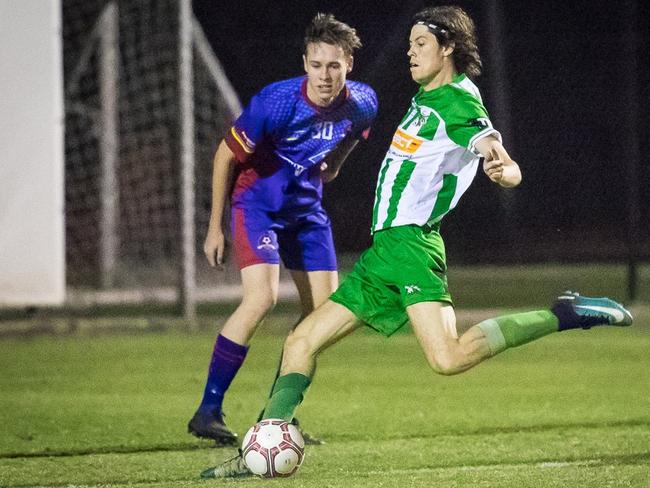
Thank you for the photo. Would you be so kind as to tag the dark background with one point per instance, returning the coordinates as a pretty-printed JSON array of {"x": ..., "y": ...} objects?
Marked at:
[{"x": 566, "y": 83}]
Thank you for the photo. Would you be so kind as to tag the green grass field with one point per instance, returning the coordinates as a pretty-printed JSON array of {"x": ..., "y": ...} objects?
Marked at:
[{"x": 571, "y": 410}]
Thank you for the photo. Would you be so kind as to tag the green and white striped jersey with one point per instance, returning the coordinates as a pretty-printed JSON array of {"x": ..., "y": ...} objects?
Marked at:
[{"x": 432, "y": 159}]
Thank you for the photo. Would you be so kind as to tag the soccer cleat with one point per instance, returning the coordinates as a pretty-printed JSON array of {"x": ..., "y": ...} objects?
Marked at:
[
  {"x": 211, "y": 426},
  {"x": 309, "y": 439},
  {"x": 234, "y": 467},
  {"x": 578, "y": 312}
]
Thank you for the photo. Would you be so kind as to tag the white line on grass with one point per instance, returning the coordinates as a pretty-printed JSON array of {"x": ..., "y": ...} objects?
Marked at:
[{"x": 489, "y": 467}]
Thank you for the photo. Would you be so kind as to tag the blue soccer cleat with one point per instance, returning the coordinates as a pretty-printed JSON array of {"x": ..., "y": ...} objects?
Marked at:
[{"x": 578, "y": 312}]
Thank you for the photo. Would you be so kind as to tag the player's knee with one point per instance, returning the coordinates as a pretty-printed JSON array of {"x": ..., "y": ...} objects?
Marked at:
[
  {"x": 297, "y": 346},
  {"x": 262, "y": 302},
  {"x": 444, "y": 364}
]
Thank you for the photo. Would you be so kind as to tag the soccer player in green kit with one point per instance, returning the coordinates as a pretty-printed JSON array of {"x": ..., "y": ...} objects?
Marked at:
[{"x": 432, "y": 160}]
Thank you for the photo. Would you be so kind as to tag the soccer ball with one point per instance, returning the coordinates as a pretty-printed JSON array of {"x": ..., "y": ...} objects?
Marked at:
[{"x": 273, "y": 448}]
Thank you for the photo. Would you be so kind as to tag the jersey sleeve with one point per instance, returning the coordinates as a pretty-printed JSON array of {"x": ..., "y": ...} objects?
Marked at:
[
  {"x": 367, "y": 111},
  {"x": 467, "y": 122},
  {"x": 249, "y": 129}
]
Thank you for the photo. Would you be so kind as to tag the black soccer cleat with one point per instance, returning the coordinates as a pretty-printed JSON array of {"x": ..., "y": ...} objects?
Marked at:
[{"x": 211, "y": 426}]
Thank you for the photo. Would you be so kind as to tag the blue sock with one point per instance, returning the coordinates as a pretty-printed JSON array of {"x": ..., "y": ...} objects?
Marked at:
[{"x": 227, "y": 358}]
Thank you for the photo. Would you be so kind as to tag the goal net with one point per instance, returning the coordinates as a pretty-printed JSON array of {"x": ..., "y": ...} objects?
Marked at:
[{"x": 146, "y": 105}]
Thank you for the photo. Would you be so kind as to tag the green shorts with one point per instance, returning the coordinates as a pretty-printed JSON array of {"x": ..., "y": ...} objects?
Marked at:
[{"x": 404, "y": 265}]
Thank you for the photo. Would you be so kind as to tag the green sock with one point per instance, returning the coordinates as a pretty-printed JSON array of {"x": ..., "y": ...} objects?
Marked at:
[
  {"x": 517, "y": 329},
  {"x": 287, "y": 395}
]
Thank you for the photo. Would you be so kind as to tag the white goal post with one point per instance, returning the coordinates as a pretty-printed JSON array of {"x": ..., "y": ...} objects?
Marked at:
[{"x": 147, "y": 101}]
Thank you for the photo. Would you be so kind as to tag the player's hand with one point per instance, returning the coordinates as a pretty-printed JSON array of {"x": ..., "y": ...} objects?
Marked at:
[
  {"x": 325, "y": 174},
  {"x": 493, "y": 169},
  {"x": 497, "y": 164},
  {"x": 493, "y": 166},
  {"x": 214, "y": 246}
]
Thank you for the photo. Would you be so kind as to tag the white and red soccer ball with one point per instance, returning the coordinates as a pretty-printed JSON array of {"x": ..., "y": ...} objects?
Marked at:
[{"x": 273, "y": 448}]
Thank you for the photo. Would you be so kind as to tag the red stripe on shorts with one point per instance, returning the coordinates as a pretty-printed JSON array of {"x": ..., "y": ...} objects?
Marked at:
[{"x": 245, "y": 255}]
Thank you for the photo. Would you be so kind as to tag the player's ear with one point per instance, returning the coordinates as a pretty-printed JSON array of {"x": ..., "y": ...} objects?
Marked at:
[
  {"x": 304, "y": 62},
  {"x": 350, "y": 63},
  {"x": 448, "y": 49}
]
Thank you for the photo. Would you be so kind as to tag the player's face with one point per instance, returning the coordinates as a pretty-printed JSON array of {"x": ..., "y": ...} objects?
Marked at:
[
  {"x": 327, "y": 67},
  {"x": 426, "y": 55}
]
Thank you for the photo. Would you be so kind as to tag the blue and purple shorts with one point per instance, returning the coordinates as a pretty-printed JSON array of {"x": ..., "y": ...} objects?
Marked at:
[{"x": 303, "y": 243}]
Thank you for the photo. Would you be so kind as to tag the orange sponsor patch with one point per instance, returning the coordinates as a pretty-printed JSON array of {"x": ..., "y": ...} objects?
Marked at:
[{"x": 405, "y": 142}]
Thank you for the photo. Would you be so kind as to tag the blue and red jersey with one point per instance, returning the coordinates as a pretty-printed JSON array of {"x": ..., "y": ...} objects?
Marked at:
[{"x": 281, "y": 138}]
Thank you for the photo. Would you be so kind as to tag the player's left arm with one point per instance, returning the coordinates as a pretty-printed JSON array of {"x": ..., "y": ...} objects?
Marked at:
[
  {"x": 331, "y": 166},
  {"x": 497, "y": 163}
]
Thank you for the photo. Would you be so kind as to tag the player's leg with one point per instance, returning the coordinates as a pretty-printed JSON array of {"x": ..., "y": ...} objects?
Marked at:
[
  {"x": 366, "y": 295},
  {"x": 256, "y": 252},
  {"x": 434, "y": 326},
  {"x": 362, "y": 297},
  {"x": 307, "y": 250},
  {"x": 260, "y": 289},
  {"x": 260, "y": 284},
  {"x": 421, "y": 278},
  {"x": 314, "y": 288},
  {"x": 328, "y": 324}
]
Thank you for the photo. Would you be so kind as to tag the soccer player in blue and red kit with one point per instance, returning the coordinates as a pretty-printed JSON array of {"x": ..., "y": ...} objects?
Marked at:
[{"x": 293, "y": 136}]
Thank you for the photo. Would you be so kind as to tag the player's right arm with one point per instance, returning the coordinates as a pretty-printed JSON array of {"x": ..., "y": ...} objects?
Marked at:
[
  {"x": 222, "y": 171},
  {"x": 238, "y": 145}
]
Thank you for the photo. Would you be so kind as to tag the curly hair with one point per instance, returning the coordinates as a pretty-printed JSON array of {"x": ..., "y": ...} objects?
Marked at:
[
  {"x": 325, "y": 28},
  {"x": 456, "y": 28}
]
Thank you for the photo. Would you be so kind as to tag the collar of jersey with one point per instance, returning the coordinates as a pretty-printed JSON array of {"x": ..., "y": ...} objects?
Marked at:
[
  {"x": 432, "y": 93},
  {"x": 340, "y": 99}
]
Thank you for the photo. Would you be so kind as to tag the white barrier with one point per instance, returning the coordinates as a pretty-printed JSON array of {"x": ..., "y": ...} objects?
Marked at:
[{"x": 32, "y": 252}]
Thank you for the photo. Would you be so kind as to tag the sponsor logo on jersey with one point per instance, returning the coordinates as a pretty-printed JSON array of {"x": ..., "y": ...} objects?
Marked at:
[
  {"x": 405, "y": 142},
  {"x": 421, "y": 120}
]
